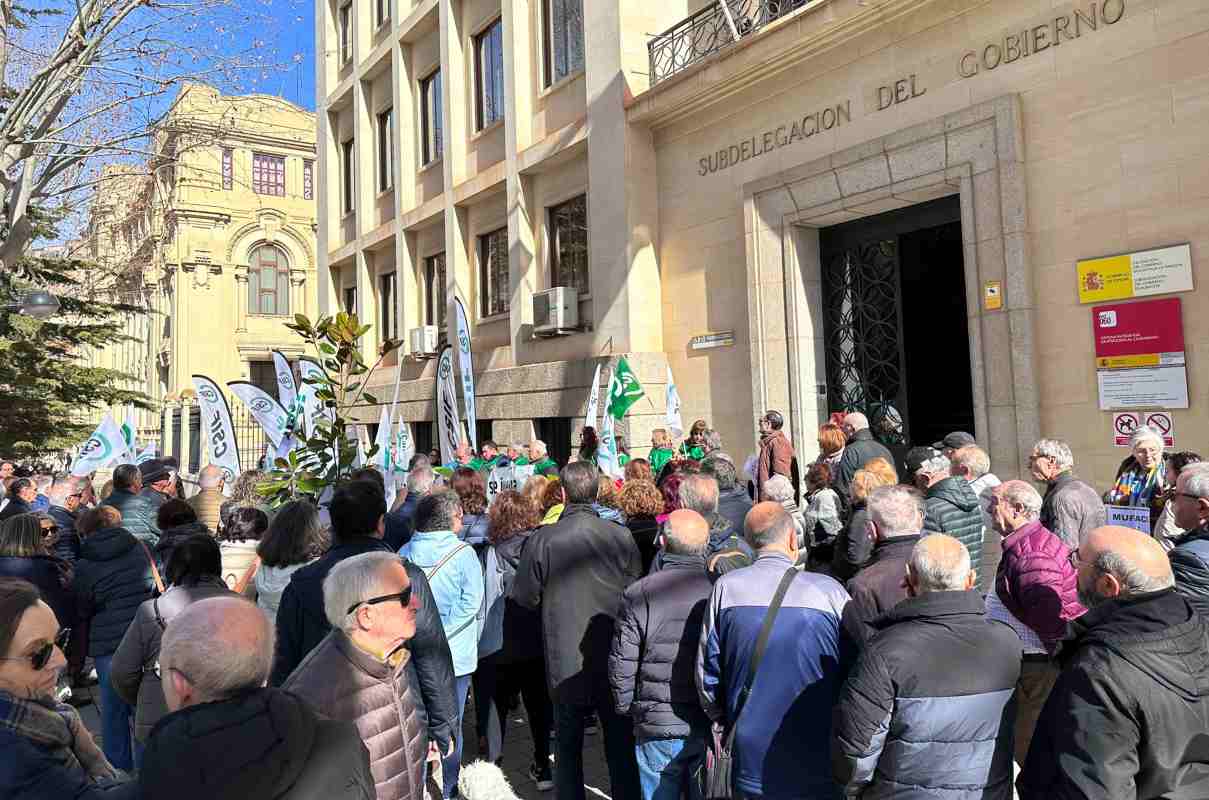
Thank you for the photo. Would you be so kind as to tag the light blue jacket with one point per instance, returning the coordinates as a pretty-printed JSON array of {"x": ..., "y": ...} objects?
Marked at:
[{"x": 457, "y": 588}]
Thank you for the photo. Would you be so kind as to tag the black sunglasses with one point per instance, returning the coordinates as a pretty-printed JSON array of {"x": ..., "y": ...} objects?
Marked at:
[
  {"x": 41, "y": 657},
  {"x": 404, "y": 598}
]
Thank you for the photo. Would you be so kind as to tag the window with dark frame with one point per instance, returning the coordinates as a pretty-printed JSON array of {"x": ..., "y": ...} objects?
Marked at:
[
  {"x": 493, "y": 272},
  {"x": 346, "y": 32},
  {"x": 434, "y": 291},
  {"x": 350, "y": 299},
  {"x": 269, "y": 281},
  {"x": 308, "y": 180},
  {"x": 268, "y": 174},
  {"x": 569, "y": 243},
  {"x": 385, "y": 136},
  {"x": 346, "y": 176},
  {"x": 388, "y": 315},
  {"x": 228, "y": 169},
  {"x": 263, "y": 374},
  {"x": 564, "y": 38},
  {"x": 489, "y": 75},
  {"x": 381, "y": 12},
  {"x": 431, "y": 125}
]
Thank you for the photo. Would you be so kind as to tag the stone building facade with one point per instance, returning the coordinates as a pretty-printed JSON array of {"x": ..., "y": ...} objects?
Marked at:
[
  {"x": 873, "y": 202},
  {"x": 215, "y": 238}
]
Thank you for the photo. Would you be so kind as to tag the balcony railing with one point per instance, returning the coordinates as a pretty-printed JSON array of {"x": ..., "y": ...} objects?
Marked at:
[{"x": 697, "y": 37}]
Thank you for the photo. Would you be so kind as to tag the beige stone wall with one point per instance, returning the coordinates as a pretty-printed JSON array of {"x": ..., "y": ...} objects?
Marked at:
[{"x": 1114, "y": 135}]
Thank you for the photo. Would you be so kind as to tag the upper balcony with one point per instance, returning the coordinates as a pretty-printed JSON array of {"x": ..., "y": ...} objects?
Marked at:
[{"x": 709, "y": 31}]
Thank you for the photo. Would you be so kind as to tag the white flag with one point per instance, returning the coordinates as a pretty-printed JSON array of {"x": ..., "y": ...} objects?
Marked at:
[
  {"x": 287, "y": 388},
  {"x": 675, "y": 425},
  {"x": 267, "y": 412},
  {"x": 405, "y": 447},
  {"x": 449, "y": 427},
  {"x": 217, "y": 427},
  {"x": 466, "y": 369},
  {"x": 128, "y": 435},
  {"x": 606, "y": 451},
  {"x": 312, "y": 407},
  {"x": 104, "y": 447},
  {"x": 382, "y": 459},
  {"x": 593, "y": 401}
]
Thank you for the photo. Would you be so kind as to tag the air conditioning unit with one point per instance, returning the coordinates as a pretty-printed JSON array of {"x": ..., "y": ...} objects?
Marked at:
[
  {"x": 423, "y": 341},
  {"x": 555, "y": 311}
]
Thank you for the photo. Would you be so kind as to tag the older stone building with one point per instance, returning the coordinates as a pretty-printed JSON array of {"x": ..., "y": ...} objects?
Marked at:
[
  {"x": 215, "y": 237},
  {"x": 858, "y": 203}
]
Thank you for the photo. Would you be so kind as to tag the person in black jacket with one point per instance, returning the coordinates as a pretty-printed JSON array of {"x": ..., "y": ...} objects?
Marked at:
[
  {"x": 176, "y": 521},
  {"x": 65, "y": 494},
  {"x": 928, "y": 710},
  {"x": 24, "y": 555},
  {"x": 21, "y": 495},
  {"x": 860, "y": 448},
  {"x": 227, "y": 738},
  {"x": 358, "y": 511},
  {"x": 113, "y": 578},
  {"x": 1190, "y": 556},
  {"x": 137, "y": 511},
  {"x": 1127, "y": 716},
  {"x": 575, "y": 571},
  {"x": 654, "y": 655}
]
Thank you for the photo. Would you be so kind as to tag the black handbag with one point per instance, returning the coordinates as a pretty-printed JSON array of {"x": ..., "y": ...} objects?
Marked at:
[{"x": 714, "y": 775}]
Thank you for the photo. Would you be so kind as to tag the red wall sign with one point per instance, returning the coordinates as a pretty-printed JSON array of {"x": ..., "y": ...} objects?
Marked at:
[{"x": 1124, "y": 331}]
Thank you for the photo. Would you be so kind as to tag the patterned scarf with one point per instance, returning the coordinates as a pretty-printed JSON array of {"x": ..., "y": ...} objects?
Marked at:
[
  {"x": 57, "y": 727},
  {"x": 1134, "y": 487}
]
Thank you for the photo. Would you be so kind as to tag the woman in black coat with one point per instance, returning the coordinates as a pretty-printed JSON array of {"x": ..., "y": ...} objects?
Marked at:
[
  {"x": 641, "y": 502},
  {"x": 25, "y": 554}
]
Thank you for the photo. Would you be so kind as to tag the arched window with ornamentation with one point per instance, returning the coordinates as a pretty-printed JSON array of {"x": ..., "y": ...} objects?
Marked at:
[{"x": 269, "y": 281}]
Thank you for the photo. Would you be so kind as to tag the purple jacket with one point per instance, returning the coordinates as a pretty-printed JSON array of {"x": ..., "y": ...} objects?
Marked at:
[{"x": 1037, "y": 583}]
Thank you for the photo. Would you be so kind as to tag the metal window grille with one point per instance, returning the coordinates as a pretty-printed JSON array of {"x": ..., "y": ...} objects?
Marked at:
[
  {"x": 569, "y": 243},
  {"x": 308, "y": 180},
  {"x": 268, "y": 174},
  {"x": 493, "y": 260}
]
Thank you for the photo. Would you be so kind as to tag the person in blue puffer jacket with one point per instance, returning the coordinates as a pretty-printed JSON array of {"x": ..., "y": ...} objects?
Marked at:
[{"x": 456, "y": 579}]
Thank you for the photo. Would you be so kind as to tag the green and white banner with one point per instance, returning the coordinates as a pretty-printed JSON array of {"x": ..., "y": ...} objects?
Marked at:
[
  {"x": 104, "y": 447},
  {"x": 466, "y": 370},
  {"x": 217, "y": 427},
  {"x": 449, "y": 427},
  {"x": 267, "y": 412},
  {"x": 624, "y": 389},
  {"x": 593, "y": 401}
]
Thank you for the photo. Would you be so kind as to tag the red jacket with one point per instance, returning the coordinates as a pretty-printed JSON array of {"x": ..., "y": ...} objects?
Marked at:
[
  {"x": 1037, "y": 583},
  {"x": 776, "y": 458}
]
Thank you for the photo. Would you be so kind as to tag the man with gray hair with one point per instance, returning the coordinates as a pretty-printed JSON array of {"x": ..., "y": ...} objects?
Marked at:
[
  {"x": 400, "y": 522},
  {"x": 654, "y": 648},
  {"x": 733, "y": 500},
  {"x": 895, "y": 520},
  {"x": 952, "y": 506},
  {"x": 65, "y": 495},
  {"x": 1190, "y": 556},
  {"x": 208, "y": 501},
  {"x": 1035, "y": 593},
  {"x": 358, "y": 672},
  {"x": 228, "y": 736},
  {"x": 1126, "y": 717},
  {"x": 1070, "y": 508},
  {"x": 726, "y": 549},
  {"x": 860, "y": 449},
  {"x": 972, "y": 464},
  {"x": 927, "y": 710},
  {"x": 541, "y": 461}
]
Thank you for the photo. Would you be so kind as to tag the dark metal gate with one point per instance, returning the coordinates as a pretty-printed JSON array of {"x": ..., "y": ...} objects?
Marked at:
[{"x": 863, "y": 315}]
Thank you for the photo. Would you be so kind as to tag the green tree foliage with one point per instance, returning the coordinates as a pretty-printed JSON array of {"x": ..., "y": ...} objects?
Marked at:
[
  {"x": 327, "y": 456},
  {"x": 46, "y": 389}
]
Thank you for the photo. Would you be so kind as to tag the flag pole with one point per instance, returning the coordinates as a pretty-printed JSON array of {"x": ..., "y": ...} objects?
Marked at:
[{"x": 730, "y": 20}]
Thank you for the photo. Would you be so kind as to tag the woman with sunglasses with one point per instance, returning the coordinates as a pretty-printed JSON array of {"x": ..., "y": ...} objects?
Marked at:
[
  {"x": 47, "y": 750},
  {"x": 26, "y": 546}
]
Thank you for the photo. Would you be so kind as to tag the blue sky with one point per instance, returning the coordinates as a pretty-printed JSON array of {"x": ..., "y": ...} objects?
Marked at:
[{"x": 289, "y": 44}]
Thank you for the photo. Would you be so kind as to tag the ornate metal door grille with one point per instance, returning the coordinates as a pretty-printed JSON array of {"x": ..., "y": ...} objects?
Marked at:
[{"x": 862, "y": 333}]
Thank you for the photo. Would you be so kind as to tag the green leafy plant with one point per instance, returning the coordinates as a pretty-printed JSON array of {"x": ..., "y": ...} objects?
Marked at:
[{"x": 327, "y": 456}]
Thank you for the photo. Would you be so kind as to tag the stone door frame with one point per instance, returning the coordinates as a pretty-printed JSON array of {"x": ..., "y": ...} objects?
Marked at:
[{"x": 976, "y": 153}]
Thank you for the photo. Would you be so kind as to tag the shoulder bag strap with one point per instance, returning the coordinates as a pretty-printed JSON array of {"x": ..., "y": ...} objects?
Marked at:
[
  {"x": 241, "y": 585},
  {"x": 155, "y": 571},
  {"x": 757, "y": 656},
  {"x": 429, "y": 573}
]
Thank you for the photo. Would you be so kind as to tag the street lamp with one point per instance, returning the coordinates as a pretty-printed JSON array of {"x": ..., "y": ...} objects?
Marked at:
[{"x": 39, "y": 304}]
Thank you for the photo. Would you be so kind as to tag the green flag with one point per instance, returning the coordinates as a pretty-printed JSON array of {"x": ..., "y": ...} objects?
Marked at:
[{"x": 626, "y": 390}]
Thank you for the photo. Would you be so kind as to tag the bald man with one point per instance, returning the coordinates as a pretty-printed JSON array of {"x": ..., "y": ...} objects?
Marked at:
[
  {"x": 1127, "y": 716},
  {"x": 929, "y": 703},
  {"x": 229, "y": 735},
  {"x": 781, "y": 746},
  {"x": 653, "y": 655}
]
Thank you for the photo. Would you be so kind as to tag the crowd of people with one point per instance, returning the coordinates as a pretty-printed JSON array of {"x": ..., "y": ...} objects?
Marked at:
[{"x": 882, "y": 623}]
